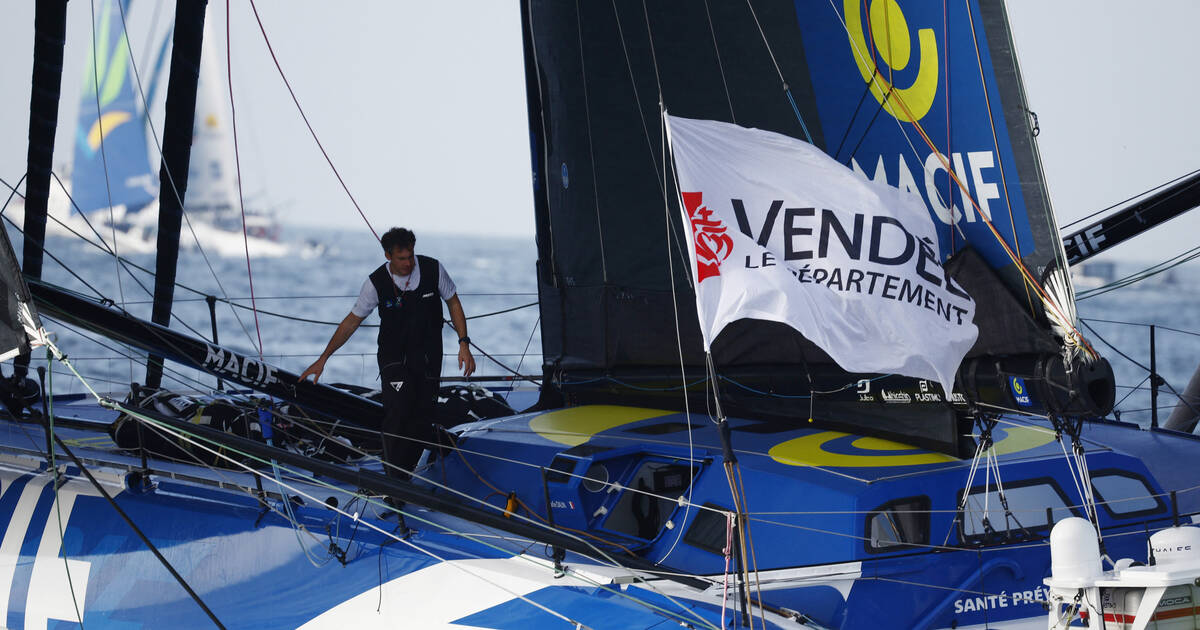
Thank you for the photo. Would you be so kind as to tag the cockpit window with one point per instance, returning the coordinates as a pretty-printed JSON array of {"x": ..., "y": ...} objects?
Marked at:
[
  {"x": 649, "y": 499},
  {"x": 1124, "y": 494},
  {"x": 897, "y": 524},
  {"x": 1020, "y": 514}
]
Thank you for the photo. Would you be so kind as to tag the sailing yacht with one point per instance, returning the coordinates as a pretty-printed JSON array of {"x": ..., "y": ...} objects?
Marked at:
[
  {"x": 665, "y": 474},
  {"x": 114, "y": 182}
]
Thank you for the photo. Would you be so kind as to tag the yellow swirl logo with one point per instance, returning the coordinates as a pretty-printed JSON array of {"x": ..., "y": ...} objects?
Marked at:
[
  {"x": 835, "y": 449},
  {"x": 891, "y": 43}
]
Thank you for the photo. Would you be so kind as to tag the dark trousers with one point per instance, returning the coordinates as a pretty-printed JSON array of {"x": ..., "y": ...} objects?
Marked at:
[{"x": 409, "y": 396}]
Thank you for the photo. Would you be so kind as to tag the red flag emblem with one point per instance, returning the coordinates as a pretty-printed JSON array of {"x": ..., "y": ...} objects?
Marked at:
[{"x": 713, "y": 245}]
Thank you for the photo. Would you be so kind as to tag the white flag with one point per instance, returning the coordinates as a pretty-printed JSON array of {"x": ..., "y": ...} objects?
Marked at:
[{"x": 782, "y": 232}]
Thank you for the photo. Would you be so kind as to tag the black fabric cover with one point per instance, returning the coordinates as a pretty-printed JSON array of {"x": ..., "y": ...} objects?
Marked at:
[{"x": 1006, "y": 325}]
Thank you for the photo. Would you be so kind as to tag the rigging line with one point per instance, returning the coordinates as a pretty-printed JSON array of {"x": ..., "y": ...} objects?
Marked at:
[
  {"x": 711, "y": 447},
  {"x": 188, "y": 437},
  {"x": 166, "y": 168},
  {"x": 949, "y": 129},
  {"x": 750, "y": 539},
  {"x": 391, "y": 535},
  {"x": 1183, "y": 400},
  {"x": 493, "y": 359},
  {"x": 786, "y": 89},
  {"x": 633, "y": 85},
  {"x": 104, "y": 154},
  {"x": 237, "y": 160},
  {"x": 63, "y": 359},
  {"x": 153, "y": 27},
  {"x": 1141, "y": 194},
  {"x": 672, "y": 237},
  {"x": 1135, "y": 217},
  {"x": 987, "y": 100},
  {"x": 720, "y": 65},
  {"x": 1052, "y": 306},
  {"x": 104, "y": 247},
  {"x": 541, "y": 172},
  {"x": 261, "y": 499},
  {"x": 523, "y": 353},
  {"x": 587, "y": 113},
  {"x": 62, "y": 264},
  {"x": 11, "y": 194},
  {"x": 530, "y": 510},
  {"x": 497, "y": 491},
  {"x": 1114, "y": 348},
  {"x": 664, "y": 140},
  {"x": 131, "y": 354},
  {"x": 48, "y": 401},
  {"x": 311, "y": 131},
  {"x": 1144, "y": 274},
  {"x": 176, "y": 375},
  {"x": 740, "y": 517},
  {"x": 456, "y": 447},
  {"x": 882, "y": 105},
  {"x": 1159, "y": 327},
  {"x": 900, "y": 127},
  {"x": 129, "y": 521},
  {"x": 13, "y": 189},
  {"x": 854, "y": 117},
  {"x": 1131, "y": 391}
]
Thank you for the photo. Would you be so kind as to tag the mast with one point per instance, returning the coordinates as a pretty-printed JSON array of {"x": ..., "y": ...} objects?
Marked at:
[
  {"x": 187, "y": 43},
  {"x": 50, "y": 33},
  {"x": 50, "y": 36}
]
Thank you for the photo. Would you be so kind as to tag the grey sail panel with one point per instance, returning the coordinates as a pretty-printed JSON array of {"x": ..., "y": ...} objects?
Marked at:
[{"x": 18, "y": 319}]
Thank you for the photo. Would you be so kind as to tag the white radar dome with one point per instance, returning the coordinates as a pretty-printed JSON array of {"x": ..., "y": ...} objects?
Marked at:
[
  {"x": 1074, "y": 550},
  {"x": 1176, "y": 545}
]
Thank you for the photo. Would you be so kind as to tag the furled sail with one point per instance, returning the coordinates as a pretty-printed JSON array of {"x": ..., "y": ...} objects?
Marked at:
[
  {"x": 906, "y": 95},
  {"x": 20, "y": 325},
  {"x": 111, "y": 159}
]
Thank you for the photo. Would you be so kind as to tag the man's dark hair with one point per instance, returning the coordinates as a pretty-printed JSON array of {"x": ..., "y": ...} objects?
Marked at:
[{"x": 398, "y": 237}]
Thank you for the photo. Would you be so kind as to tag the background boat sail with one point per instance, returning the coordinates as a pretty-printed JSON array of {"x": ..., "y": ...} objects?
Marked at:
[
  {"x": 630, "y": 505},
  {"x": 114, "y": 144}
]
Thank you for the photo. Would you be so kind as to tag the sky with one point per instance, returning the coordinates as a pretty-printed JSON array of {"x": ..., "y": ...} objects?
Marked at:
[{"x": 421, "y": 106}]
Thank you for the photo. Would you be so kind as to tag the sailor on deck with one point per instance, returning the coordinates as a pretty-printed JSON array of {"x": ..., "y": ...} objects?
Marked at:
[{"x": 406, "y": 292}]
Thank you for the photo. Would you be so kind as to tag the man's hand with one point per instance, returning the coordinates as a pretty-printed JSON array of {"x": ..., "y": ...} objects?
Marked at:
[
  {"x": 314, "y": 370},
  {"x": 466, "y": 362}
]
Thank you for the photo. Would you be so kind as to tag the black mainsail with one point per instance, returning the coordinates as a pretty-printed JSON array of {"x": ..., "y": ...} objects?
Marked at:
[{"x": 927, "y": 98}]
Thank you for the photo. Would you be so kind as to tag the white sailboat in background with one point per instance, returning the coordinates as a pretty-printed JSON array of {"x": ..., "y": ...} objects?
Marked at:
[{"x": 114, "y": 175}]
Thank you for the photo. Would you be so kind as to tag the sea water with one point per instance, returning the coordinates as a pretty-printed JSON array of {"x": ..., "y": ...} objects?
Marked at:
[{"x": 301, "y": 297}]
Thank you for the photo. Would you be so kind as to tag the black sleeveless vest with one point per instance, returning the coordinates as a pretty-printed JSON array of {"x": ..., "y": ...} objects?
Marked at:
[{"x": 410, "y": 322}]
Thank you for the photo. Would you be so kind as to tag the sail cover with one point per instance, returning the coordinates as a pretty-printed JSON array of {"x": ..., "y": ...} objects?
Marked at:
[
  {"x": 903, "y": 93},
  {"x": 779, "y": 231}
]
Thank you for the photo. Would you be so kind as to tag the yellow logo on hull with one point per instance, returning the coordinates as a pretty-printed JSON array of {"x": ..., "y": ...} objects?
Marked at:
[{"x": 868, "y": 452}]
